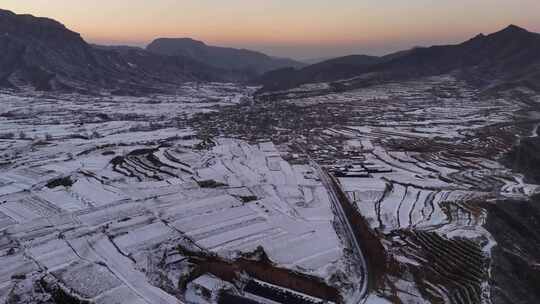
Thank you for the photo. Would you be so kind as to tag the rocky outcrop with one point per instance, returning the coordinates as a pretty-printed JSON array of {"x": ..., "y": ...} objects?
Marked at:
[
  {"x": 515, "y": 226},
  {"x": 515, "y": 271}
]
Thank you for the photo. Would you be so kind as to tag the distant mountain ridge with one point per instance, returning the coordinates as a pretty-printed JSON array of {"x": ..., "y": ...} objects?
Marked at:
[
  {"x": 220, "y": 57},
  {"x": 510, "y": 57},
  {"x": 311, "y": 61},
  {"x": 43, "y": 54}
]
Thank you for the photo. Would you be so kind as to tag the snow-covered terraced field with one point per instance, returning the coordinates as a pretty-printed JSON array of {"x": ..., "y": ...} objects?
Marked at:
[
  {"x": 162, "y": 199},
  {"x": 89, "y": 190},
  {"x": 416, "y": 159}
]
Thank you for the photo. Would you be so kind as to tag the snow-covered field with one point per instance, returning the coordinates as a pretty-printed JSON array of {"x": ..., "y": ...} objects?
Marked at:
[
  {"x": 121, "y": 199},
  {"x": 416, "y": 158},
  {"x": 90, "y": 187}
]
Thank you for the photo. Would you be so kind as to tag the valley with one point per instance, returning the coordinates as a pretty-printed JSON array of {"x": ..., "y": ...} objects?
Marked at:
[
  {"x": 218, "y": 194},
  {"x": 183, "y": 172}
]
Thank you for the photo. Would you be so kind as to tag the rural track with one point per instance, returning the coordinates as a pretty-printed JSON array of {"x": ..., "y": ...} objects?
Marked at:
[{"x": 328, "y": 182}]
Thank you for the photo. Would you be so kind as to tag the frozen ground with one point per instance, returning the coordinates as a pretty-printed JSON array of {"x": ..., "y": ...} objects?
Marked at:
[
  {"x": 148, "y": 199},
  {"x": 91, "y": 186},
  {"x": 415, "y": 158}
]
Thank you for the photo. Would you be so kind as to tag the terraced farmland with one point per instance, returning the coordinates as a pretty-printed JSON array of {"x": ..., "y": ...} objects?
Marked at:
[{"x": 376, "y": 195}]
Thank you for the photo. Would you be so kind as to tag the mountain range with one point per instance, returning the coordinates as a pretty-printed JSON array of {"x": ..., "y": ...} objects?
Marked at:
[
  {"x": 42, "y": 53},
  {"x": 507, "y": 58},
  {"x": 250, "y": 62}
]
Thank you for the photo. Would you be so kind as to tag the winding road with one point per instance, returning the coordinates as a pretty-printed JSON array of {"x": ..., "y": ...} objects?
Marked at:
[{"x": 331, "y": 186}]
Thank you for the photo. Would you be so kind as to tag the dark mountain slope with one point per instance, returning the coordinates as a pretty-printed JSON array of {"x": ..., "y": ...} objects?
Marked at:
[
  {"x": 44, "y": 54},
  {"x": 32, "y": 48},
  {"x": 340, "y": 68},
  {"x": 220, "y": 57},
  {"x": 326, "y": 71},
  {"x": 492, "y": 57},
  {"x": 506, "y": 58}
]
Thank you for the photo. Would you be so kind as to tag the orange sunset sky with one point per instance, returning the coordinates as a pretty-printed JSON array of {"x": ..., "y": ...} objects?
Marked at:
[{"x": 298, "y": 29}]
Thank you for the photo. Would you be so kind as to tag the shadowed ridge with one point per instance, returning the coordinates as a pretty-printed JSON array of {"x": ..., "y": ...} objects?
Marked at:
[
  {"x": 43, "y": 54},
  {"x": 507, "y": 58},
  {"x": 254, "y": 63}
]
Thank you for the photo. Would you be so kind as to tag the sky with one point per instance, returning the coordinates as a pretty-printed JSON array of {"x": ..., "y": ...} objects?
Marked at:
[{"x": 300, "y": 29}]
